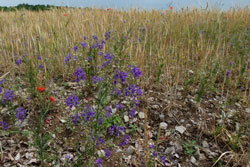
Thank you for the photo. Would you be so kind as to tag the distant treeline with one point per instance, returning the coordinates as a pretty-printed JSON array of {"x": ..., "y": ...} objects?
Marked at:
[{"x": 28, "y": 7}]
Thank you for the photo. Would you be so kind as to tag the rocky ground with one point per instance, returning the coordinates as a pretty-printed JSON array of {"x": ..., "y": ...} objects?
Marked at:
[{"x": 187, "y": 133}]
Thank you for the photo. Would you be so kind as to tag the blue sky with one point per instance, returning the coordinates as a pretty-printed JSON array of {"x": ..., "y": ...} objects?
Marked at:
[{"x": 125, "y": 4}]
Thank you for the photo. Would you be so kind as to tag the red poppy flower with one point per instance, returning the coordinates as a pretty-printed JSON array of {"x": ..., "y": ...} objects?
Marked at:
[
  {"x": 47, "y": 121},
  {"x": 65, "y": 14},
  {"x": 40, "y": 89},
  {"x": 109, "y": 9},
  {"x": 87, "y": 98},
  {"x": 52, "y": 99},
  {"x": 171, "y": 7}
]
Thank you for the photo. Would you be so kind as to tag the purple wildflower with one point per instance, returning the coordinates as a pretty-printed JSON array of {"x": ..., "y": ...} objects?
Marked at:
[
  {"x": 75, "y": 48},
  {"x": 89, "y": 59},
  {"x": 5, "y": 125},
  {"x": 108, "y": 56},
  {"x": 100, "y": 121},
  {"x": 18, "y": 62},
  {"x": 108, "y": 112},
  {"x": 136, "y": 72},
  {"x": 95, "y": 37},
  {"x": 98, "y": 162},
  {"x": 155, "y": 154},
  {"x": 163, "y": 159},
  {"x": 119, "y": 129},
  {"x": 8, "y": 95},
  {"x": 1, "y": 89},
  {"x": 20, "y": 113},
  {"x": 67, "y": 59},
  {"x": 107, "y": 153},
  {"x": 101, "y": 140},
  {"x": 119, "y": 106},
  {"x": 107, "y": 35},
  {"x": 84, "y": 44},
  {"x": 123, "y": 76},
  {"x": 39, "y": 57},
  {"x": 112, "y": 129},
  {"x": 151, "y": 146},
  {"x": 75, "y": 118},
  {"x": 126, "y": 140},
  {"x": 2, "y": 81},
  {"x": 97, "y": 79},
  {"x": 40, "y": 66},
  {"x": 72, "y": 101},
  {"x": 89, "y": 113},
  {"x": 228, "y": 73},
  {"x": 132, "y": 113},
  {"x": 80, "y": 74}
]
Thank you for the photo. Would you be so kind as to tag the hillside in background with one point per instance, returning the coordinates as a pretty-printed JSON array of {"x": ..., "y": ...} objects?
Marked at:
[{"x": 27, "y": 7}]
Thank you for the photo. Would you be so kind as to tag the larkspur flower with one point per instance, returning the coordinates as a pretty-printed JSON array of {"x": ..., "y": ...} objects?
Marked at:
[
  {"x": 155, "y": 154},
  {"x": 112, "y": 129},
  {"x": 119, "y": 129},
  {"x": 132, "y": 113},
  {"x": 116, "y": 91},
  {"x": 116, "y": 76},
  {"x": 8, "y": 95},
  {"x": 39, "y": 57},
  {"x": 125, "y": 141},
  {"x": 67, "y": 59},
  {"x": 123, "y": 76},
  {"x": 136, "y": 72},
  {"x": 100, "y": 121},
  {"x": 75, "y": 118},
  {"x": 40, "y": 66},
  {"x": 89, "y": 59},
  {"x": 18, "y": 62},
  {"x": 119, "y": 106},
  {"x": 20, "y": 113},
  {"x": 151, "y": 146},
  {"x": 84, "y": 44},
  {"x": 100, "y": 46},
  {"x": 163, "y": 159},
  {"x": 80, "y": 74},
  {"x": 97, "y": 79},
  {"x": 101, "y": 140},
  {"x": 1, "y": 89},
  {"x": 228, "y": 73},
  {"x": 95, "y": 37},
  {"x": 72, "y": 101},
  {"x": 75, "y": 48},
  {"x": 107, "y": 35},
  {"x": 107, "y": 153},
  {"x": 108, "y": 56},
  {"x": 2, "y": 81},
  {"x": 100, "y": 53},
  {"x": 108, "y": 112},
  {"x": 5, "y": 125},
  {"x": 98, "y": 162}
]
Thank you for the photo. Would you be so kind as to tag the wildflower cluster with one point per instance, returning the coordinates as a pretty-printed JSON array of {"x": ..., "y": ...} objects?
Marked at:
[
  {"x": 72, "y": 101},
  {"x": 80, "y": 74},
  {"x": 20, "y": 113}
]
